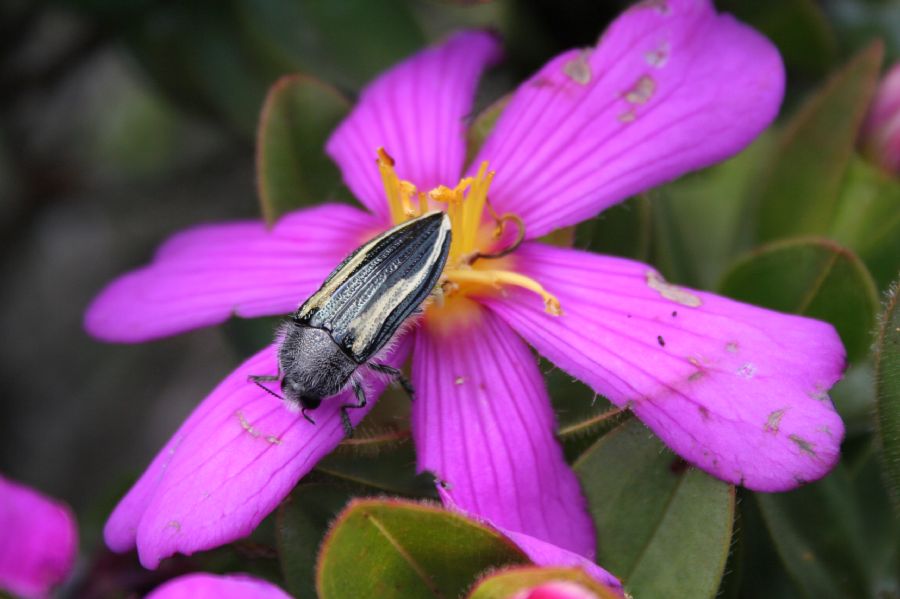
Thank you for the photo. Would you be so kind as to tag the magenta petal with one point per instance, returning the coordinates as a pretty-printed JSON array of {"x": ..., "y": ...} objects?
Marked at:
[
  {"x": 671, "y": 87},
  {"x": 38, "y": 542},
  {"x": 737, "y": 390},
  {"x": 229, "y": 465},
  {"x": 482, "y": 423},
  {"x": 211, "y": 586},
  {"x": 540, "y": 552},
  {"x": 416, "y": 112},
  {"x": 204, "y": 275}
]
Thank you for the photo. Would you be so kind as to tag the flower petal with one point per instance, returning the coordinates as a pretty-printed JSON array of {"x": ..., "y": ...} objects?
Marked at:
[
  {"x": 671, "y": 87},
  {"x": 229, "y": 465},
  {"x": 204, "y": 275},
  {"x": 540, "y": 552},
  {"x": 212, "y": 586},
  {"x": 482, "y": 423},
  {"x": 39, "y": 541},
  {"x": 416, "y": 112},
  {"x": 739, "y": 391}
]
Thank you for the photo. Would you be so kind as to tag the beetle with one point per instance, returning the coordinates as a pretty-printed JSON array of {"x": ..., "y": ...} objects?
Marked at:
[{"x": 356, "y": 313}]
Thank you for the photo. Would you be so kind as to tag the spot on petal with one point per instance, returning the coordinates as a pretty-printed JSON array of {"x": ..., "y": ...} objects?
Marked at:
[
  {"x": 660, "y": 6},
  {"x": 731, "y": 347},
  {"x": 245, "y": 424},
  {"x": 774, "y": 420},
  {"x": 672, "y": 292},
  {"x": 659, "y": 57},
  {"x": 627, "y": 117},
  {"x": 579, "y": 68},
  {"x": 459, "y": 380},
  {"x": 804, "y": 445},
  {"x": 747, "y": 370},
  {"x": 642, "y": 91}
]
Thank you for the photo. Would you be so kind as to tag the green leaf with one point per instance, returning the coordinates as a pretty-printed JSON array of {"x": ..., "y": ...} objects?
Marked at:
[
  {"x": 622, "y": 230},
  {"x": 301, "y": 522},
  {"x": 798, "y": 192},
  {"x": 798, "y": 27},
  {"x": 292, "y": 169},
  {"x": 664, "y": 528},
  {"x": 385, "y": 460},
  {"x": 700, "y": 220},
  {"x": 391, "y": 548},
  {"x": 508, "y": 583},
  {"x": 813, "y": 277},
  {"x": 482, "y": 126},
  {"x": 868, "y": 219},
  {"x": 887, "y": 376},
  {"x": 817, "y": 533}
]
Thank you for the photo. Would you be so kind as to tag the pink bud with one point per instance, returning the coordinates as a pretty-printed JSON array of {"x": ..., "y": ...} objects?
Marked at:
[{"x": 881, "y": 132}]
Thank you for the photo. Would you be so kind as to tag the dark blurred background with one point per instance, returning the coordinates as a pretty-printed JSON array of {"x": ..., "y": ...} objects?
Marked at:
[{"x": 123, "y": 122}]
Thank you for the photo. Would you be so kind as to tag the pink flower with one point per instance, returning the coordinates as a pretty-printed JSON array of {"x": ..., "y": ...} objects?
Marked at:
[
  {"x": 556, "y": 590},
  {"x": 211, "y": 586},
  {"x": 881, "y": 131},
  {"x": 39, "y": 541},
  {"x": 736, "y": 390}
]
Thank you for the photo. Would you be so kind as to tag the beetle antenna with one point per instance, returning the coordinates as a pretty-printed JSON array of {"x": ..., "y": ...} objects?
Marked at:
[{"x": 307, "y": 416}]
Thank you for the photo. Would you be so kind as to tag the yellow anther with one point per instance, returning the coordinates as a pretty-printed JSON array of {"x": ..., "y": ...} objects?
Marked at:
[
  {"x": 465, "y": 204},
  {"x": 497, "y": 278}
]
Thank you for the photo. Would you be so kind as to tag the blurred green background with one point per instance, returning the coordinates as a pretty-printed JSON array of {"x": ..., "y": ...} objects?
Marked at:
[{"x": 122, "y": 122}]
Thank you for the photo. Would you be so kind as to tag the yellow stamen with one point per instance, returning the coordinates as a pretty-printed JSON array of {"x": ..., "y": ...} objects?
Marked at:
[
  {"x": 465, "y": 204},
  {"x": 496, "y": 278}
]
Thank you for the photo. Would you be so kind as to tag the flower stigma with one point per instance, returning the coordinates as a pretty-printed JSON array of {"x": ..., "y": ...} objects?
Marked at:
[{"x": 480, "y": 248}]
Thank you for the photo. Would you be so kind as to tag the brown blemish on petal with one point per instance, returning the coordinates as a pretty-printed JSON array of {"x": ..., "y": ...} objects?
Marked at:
[
  {"x": 731, "y": 347},
  {"x": 627, "y": 117},
  {"x": 459, "y": 380},
  {"x": 660, "y": 340},
  {"x": 246, "y": 425},
  {"x": 704, "y": 412},
  {"x": 804, "y": 445},
  {"x": 774, "y": 420},
  {"x": 660, "y": 6},
  {"x": 579, "y": 68},
  {"x": 672, "y": 292},
  {"x": 642, "y": 91},
  {"x": 659, "y": 57},
  {"x": 747, "y": 370},
  {"x": 273, "y": 440},
  {"x": 174, "y": 524}
]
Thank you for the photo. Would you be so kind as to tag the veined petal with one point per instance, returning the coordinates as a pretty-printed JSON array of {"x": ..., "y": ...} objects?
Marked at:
[
  {"x": 212, "y": 586},
  {"x": 228, "y": 466},
  {"x": 416, "y": 111},
  {"x": 671, "y": 87},
  {"x": 540, "y": 552},
  {"x": 206, "y": 274},
  {"x": 737, "y": 390},
  {"x": 482, "y": 423},
  {"x": 39, "y": 541}
]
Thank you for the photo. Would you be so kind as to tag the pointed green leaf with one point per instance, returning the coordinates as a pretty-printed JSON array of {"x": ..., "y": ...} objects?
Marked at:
[
  {"x": 817, "y": 533},
  {"x": 887, "y": 376},
  {"x": 868, "y": 219},
  {"x": 391, "y": 548},
  {"x": 664, "y": 528},
  {"x": 622, "y": 230},
  {"x": 292, "y": 169},
  {"x": 813, "y": 277},
  {"x": 482, "y": 126},
  {"x": 799, "y": 190},
  {"x": 508, "y": 583},
  {"x": 798, "y": 28},
  {"x": 301, "y": 522}
]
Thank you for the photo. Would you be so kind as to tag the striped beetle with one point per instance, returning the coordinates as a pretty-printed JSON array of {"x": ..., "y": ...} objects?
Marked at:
[{"x": 356, "y": 313}]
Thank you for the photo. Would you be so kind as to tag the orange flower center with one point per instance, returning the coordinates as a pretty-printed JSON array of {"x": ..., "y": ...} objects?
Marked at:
[{"x": 475, "y": 263}]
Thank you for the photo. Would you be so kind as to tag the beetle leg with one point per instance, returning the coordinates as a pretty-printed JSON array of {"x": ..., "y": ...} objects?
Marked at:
[
  {"x": 307, "y": 416},
  {"x": 360, "y": 403},
  {"x": 396, "y": 375},
  {"x": 259, "y": 379}
]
